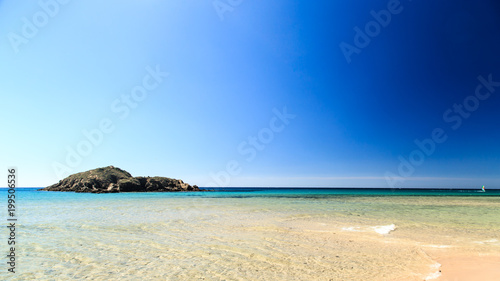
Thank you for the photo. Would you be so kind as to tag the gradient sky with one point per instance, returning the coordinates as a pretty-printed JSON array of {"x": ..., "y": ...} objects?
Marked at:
[{"x": 231, "y": 68}]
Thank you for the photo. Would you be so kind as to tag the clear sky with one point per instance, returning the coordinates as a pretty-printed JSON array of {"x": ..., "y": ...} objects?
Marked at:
[{"x": 253, "y": 93}]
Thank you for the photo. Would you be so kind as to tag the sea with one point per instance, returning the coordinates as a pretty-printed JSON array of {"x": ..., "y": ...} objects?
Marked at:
[{"x": 247, "y": 234}]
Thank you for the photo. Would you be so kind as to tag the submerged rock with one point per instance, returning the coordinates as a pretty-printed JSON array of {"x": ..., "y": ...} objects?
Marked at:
[{"x": 111, "y": 179}]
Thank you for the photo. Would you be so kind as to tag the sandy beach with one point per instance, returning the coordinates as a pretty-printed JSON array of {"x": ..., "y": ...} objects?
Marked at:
[
  {"x": 257, "y": 235},
  {"x": 469, "y": 268}
]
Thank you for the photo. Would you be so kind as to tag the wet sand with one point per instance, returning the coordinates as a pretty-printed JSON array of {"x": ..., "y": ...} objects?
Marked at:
[{"x": 469, "y": 268}]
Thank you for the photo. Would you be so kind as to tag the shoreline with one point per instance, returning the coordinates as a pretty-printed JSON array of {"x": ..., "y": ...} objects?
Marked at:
[{"x": 463, "y": 267}]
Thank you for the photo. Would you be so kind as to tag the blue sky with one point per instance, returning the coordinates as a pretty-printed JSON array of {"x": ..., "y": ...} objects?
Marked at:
[{"x": 253, "y": 93}]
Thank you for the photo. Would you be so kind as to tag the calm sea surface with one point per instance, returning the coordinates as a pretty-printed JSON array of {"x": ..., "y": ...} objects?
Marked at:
[{"x": 248, "y": 234}]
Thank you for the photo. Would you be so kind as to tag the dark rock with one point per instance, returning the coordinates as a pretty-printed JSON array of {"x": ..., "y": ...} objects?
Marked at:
[
  {"x": 128, "y": 185},
  {"x": 111, "y": 180}
]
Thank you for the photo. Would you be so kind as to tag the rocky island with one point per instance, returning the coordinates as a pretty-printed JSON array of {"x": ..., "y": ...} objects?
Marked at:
[{"x": 111, "y": 180}]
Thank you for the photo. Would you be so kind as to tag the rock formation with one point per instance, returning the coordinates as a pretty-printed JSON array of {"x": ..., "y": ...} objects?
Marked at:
[{"x": 111, "y": 179}]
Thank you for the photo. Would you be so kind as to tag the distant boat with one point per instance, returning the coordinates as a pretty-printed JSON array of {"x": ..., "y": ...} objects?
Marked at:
[{"x": 482, "y": 189}]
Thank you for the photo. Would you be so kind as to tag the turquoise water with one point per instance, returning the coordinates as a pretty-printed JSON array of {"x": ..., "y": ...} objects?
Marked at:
[
  {"x": 326, "y": 192},
  {"x": 249, "y": 234},
  {"x": 255, "y": 191}
]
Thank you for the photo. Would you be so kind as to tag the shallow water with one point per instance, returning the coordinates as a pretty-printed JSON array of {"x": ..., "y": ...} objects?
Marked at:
[{"x": 249, "y": 234}]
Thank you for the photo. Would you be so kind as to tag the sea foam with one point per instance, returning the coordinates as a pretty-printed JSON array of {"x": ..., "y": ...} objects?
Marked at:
[
  {"x": 436, "y": 273},
  {"x": 490, "y": 241},
  {"x": 381, "y": 229},
  {"x": 384, "y": 229},
  {"x": 351, "y": 228}
]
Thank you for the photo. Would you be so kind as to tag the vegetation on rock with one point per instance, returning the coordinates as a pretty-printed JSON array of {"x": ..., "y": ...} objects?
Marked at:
[{"x": 111, "y": 180}]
